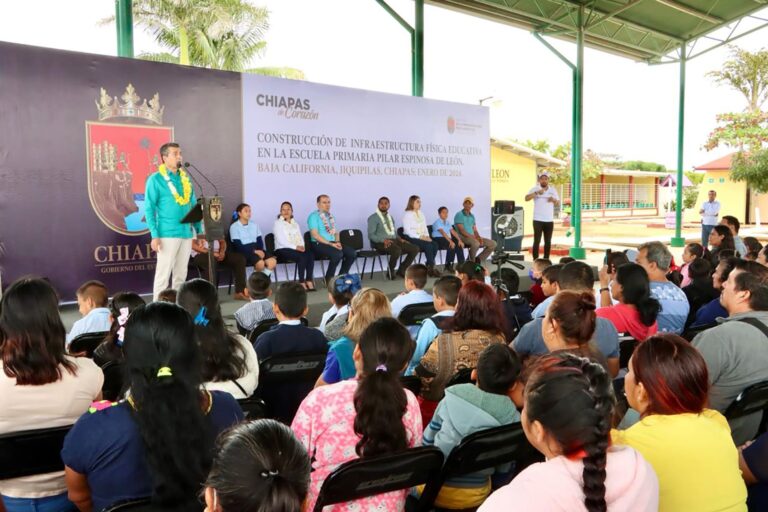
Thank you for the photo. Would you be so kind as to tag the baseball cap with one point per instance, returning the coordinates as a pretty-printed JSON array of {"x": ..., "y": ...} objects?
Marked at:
[
  {"x": 545, "y": 173},
  {"x": 468, "y": 198}
]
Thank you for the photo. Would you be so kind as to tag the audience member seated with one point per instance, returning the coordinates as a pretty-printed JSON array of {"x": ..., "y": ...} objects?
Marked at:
[
  {"x": 752, "y": 244},
  {"x": 234, "y": 261},
  {"x": 341, "y": 290},
  {"x": 289, "y": 245},
  {"x": 751, "y": 255},
  {"x": 167, "y": 295},
  {"x": 445, "y": 292},
  {"x": 259, "y": 466},
  {"x": 247, "y": 240},
  {"x": 364, "y": 417},
  {"x": 324, "y": 239},
  {"x": 688, "y": 445},
  {"x": 415, "y": 281},
  {"x": 382, "y": 235},
  {"x": 121, "y": 307},
  {"x": 92, "y": 300},
  {"x": 537, "y": 294},
  {"x": 578, "y": 277},
  {"x": 159, "y": 441},
  {"x": 466, "y": 227},
  {"x": 368, "y": 305},
  {"x": 655, "y": 258},
  {"x": 470, "y": 408},
  {"x": 734, "y": 225},
  {"x": 700, "y": 291},
  {"x": 549, "y": 286},
  {"x": 40, "y": 386},
  {"x": 565, "y": 259},
  {"x": 477, "y": 323},
  {"x": 710, "y": 312},
  {"x": 447, "y": 238},
  {"x": 762, "y": 256},
  {"x": 567, "y": 417},
  {"x": 736, "y": 351},
  {"x": 636, "y": 311},
  {"x": 691, "y": 252},
  {"x": 229, "y": 360},
  {"x": 720, "y": 239},
  {"x": 415, "y": 231},
  {"x": 753, "y": 462},
  {"x": 516, "y": 309},
  {"x": 470, "y": 271},
  {"x": 260, "y": 308}
]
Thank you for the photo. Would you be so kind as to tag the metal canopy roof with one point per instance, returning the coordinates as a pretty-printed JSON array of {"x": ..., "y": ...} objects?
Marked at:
[{"x": 643, "y": 30}]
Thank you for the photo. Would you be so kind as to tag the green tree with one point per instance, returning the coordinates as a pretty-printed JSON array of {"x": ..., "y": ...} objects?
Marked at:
[
  {"x": 217, "y": 34},
  {"x": 752, "y": 168},
  {"x": 747, "y": 73}
]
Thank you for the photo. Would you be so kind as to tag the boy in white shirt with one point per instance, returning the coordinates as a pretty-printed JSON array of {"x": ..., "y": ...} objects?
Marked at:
[{"x": 92, "y": 300}]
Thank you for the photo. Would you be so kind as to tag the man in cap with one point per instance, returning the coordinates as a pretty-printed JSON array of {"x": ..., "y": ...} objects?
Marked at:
[
  {"x": 545, "y": 199},
  {"x": 465, "y": 224}
]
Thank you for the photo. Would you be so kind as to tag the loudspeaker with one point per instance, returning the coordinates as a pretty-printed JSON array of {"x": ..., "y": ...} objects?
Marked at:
[{"x": 507, "y": 228}]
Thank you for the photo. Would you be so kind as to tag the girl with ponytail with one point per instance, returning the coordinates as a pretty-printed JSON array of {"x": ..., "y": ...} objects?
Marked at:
[
  {"x": 363, "y": 417},
  {"x": 568, "y": 407},
  {"x": 158, "y": 442}
]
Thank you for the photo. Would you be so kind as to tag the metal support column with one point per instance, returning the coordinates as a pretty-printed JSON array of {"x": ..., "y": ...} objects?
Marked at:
[
  {"x": 678, "y": 240},
  {"x": 417, "y": 47},
  {"x": 577, "y": 251},
  {"x": 124, "y": 22}
]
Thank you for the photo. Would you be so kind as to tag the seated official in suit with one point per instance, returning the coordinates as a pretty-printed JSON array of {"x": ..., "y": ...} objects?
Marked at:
[{"x": 383, "y": 236}]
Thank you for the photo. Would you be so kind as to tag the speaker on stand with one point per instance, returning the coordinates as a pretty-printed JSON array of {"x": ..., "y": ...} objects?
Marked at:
[{"x": 507, "y": 226}]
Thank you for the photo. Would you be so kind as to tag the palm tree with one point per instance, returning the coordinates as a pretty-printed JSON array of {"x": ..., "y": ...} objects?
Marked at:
[
  {"x": 218, "y": 34},
  {"x": 747, "y": 73}
]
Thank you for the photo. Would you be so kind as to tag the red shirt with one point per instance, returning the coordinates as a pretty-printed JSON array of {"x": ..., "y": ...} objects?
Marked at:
[{"x": 626, "y": 319}]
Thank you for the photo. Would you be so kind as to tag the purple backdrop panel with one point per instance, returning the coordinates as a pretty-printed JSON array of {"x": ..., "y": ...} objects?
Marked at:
[
  {"x": 80, "y": 134},
  {"x": 303, "y": 139}
]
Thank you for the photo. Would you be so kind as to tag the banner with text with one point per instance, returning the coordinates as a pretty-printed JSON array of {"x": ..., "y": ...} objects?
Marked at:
[{"x": 303, "y": 139}]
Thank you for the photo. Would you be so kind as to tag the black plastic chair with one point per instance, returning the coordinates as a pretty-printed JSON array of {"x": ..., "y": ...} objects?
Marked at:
[
  {"x": 261, "y": 328},
  {"x": 112, "y": 389},
  {"x": 361, "y": 478},
  {"x": 627, "y": 346},
  {"x": 753, "y": 399},
  {"x": 203, "y": 274},
  {"x": 415, "y": 314},
  {"x": 401, "y": 234},
  {"x": 269, "y": 244},
  {"x": 462, "y": 376},
  {"x": 286, "y": 379},
  {"x": 32, "y": 452},
  {"x": 412, "y": 383},
  {"x": 482, "y": 450},
  {"x": 87, "y": 343},
  {"x": 138, "y": 505},
  {"x": 253, "y": 407},
  {"x": 308, "y": 244},
  {"x": 691, "y": 332},
  {"x": 354, "y": 238}
]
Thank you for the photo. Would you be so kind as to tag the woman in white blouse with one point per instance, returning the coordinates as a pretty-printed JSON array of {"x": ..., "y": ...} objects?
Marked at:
[
  {"x": 415, "y": 231},
  {"x": 289, "y": 245}
]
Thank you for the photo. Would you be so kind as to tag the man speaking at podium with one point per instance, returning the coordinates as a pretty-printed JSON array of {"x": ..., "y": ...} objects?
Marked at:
[{"x": 167, "y": 199}]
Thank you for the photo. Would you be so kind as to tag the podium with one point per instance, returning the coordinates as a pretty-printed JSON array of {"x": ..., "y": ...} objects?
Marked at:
[{"x": 209, "y": 211}]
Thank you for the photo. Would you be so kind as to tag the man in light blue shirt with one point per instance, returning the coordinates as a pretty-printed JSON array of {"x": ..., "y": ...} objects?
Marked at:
[
  {"x": 325, "y": 241},
  {"x": 444, "y": 295},
  {"x": 92, "y": 300},
  {"x": 655, "y": 258},
  {"x": 709, "y": 212}
]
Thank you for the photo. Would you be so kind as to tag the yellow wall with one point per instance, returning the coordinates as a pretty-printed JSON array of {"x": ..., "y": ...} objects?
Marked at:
[
  {"x": 511, "y": 177},
  {"x": 731, "y": 194}
]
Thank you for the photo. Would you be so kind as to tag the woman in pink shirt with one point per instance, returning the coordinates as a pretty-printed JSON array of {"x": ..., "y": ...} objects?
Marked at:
[
  {"x": 636, "y": 311},
  {"x": 363, "y": 417},
  {"x": 567, "y": 417}
]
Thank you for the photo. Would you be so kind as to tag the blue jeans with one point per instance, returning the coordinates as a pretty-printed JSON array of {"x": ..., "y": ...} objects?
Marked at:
[
  {"x": 705, "y": 231},
  {"x": 346, "y": 256},
  {"x": 58, "y": 503},
  {"x": 457, "y": 252},
  {"x": 305, "y": 261}
]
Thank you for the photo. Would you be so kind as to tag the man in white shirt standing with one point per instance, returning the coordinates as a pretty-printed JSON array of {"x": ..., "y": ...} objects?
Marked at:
[
  {"x": 709, "y": 212},
  {"x": 545, "y": 199}
]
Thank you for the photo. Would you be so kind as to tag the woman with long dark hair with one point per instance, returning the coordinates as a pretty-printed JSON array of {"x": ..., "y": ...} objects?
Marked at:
[
  {"x": 120, "y": 308},
  {"x": 700, "y": 291},
  {"x": 720, "y": 239},
  {"x": 385, "y": 418},
  {"x": 689, "y": 445},
  {"x": 40, "y": 385},
  {"x": 158, "y": 442},
  {"x": 636, "y": 311},
  {"x": 259, "y": 467},
  {"x": 229, "y": 360},
  {"x": 567, "y": 417},
  {"x": 479, "y": 321},
  {"x": 289, "y": 245},
  {"x": 691, "y": 253}
]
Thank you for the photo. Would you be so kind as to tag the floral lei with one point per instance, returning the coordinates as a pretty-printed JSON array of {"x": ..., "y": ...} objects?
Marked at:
[
  {"x": 328, "y": 222},
  {"x": 186, "y": 185}
]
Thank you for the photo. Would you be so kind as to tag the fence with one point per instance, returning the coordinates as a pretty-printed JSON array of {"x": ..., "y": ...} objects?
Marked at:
[{"x": 614, "y": 196}]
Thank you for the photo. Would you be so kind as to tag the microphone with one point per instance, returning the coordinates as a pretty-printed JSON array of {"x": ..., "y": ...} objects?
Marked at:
[
  {"x": 188, "y": 165},
  {"x": 193, "y": 179}
]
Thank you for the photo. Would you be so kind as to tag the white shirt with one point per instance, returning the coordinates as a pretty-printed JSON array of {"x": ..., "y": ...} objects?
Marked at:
[
  {"x": 543, "y": 210},
  {"x": 51, "y": 405},
  {"x": 287, "y": 234},
  {"x": 711, "y": 212},
  {"x": 415, "y": 224},
  {"x": 248, "y": 381},
  {"x": 334, "y": 311}
]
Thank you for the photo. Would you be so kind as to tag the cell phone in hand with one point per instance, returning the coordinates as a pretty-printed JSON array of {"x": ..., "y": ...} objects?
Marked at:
[{"x": 608, "y": 261}]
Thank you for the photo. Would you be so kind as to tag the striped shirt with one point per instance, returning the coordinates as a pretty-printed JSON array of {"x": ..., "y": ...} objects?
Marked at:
[{"x": 253, "y": 313}]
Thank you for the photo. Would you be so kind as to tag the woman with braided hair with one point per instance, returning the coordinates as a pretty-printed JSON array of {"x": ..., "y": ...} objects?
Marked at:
[{"x": 568, "y": 406}]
